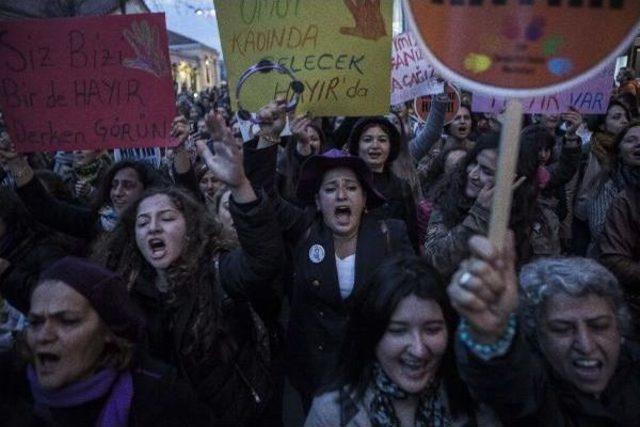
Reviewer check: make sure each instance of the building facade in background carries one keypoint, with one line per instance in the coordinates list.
(195, 66)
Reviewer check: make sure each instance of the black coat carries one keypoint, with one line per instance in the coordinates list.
(399, 203)
(75, 220)
(159, 400)
(524, 390)
(240, 285)
(32, 253)
(318, 312)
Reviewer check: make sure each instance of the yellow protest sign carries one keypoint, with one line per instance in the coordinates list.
(339, 49)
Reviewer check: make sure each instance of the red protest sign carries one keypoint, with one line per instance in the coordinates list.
(86, 82)
(422, 105)
(520, 48)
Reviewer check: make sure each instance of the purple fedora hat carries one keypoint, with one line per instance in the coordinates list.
(315, 167)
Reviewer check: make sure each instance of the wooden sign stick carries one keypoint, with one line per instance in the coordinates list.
(507, 162)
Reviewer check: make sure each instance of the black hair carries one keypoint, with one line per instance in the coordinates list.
(596, 123)
(389, 128)
(472, 131)
(373, 306)
(146, 175)
(454, 204)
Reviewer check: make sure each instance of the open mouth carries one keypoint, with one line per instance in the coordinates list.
(375, 154)
(158, 248)
(343, 215)
(414, 367)
(47, 361)
(588, 368)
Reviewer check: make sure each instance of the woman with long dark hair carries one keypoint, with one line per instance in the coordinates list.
(464, 208)
(624, 172)
(397, 366)
(205, 304)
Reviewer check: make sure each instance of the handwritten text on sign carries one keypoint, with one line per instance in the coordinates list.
(86, 83)
(591, 97)
(411, 75)
(519, 48)
(339, 49)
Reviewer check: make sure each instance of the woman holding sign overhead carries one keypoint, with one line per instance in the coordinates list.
(548, 349)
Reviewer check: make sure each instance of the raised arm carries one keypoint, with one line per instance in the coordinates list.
(248, 271)
(493, 358)
(432, 131)
(77, 221)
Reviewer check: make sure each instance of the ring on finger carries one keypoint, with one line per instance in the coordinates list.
(465, 279)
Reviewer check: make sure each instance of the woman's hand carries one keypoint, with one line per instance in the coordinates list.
(485, 196)
(485, 289)
(573, 118)
(272, 119)
(215, 124)
(8, 153)
(299, 129)
(83, 188)
(17, 164)
(226, 164)
(180, 129)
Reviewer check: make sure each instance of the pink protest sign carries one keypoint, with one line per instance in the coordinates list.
(411, 74)
(590, 97)
(86, 83)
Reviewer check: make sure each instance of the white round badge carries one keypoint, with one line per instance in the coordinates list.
(316, 253)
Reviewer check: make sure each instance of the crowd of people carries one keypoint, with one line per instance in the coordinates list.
(343, 254)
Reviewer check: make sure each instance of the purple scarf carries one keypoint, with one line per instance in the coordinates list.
(115, 413)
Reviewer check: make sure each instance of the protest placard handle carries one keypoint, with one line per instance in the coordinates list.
(507, 162)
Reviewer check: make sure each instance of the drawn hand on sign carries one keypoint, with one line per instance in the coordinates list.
(368, 19)
(145, 41)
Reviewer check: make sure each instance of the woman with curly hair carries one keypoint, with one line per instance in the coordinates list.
(624, 173)
(464, 208)
(196, 295)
